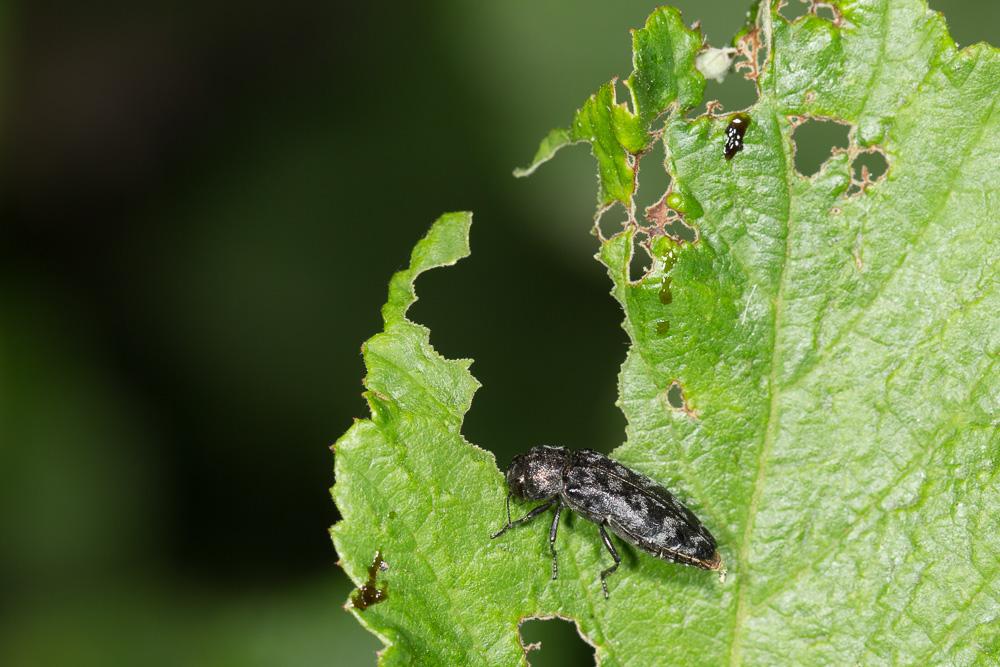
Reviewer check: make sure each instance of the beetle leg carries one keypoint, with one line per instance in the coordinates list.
(614, 554)
(524, 519)
(552, 540)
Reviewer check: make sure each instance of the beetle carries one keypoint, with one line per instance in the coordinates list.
(616, 498)
(734, 135)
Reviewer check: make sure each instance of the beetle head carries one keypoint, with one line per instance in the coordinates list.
(538, 473)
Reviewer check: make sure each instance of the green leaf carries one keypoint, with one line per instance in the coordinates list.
(663, 54)
(664, 76)
(836, 346)
(552, 142)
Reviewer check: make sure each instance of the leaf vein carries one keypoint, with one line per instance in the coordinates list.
(742, 605)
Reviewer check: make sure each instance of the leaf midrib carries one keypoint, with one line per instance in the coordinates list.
(739, 620)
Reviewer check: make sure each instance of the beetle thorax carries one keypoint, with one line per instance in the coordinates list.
(538, 474)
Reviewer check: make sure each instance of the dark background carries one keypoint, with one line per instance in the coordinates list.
(200, 208)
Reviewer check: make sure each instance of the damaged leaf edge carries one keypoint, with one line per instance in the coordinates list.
(394, 314)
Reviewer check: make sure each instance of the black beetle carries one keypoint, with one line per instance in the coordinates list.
(734, 135)
(634, 507)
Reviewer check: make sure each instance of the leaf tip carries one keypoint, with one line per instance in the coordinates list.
(547, 149)
(445, 243)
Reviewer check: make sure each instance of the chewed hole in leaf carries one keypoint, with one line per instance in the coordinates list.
(502, 306)
(623, 96)
(639, 264)
(607, 224)
(815, 141)
(734, 92)
(679, 230)
(870, 166)
(827, 11)
(653, 179)
(554, 641)
(665, 218)
(793, 9)
(677, 400)
(867, 169)
(675, 396)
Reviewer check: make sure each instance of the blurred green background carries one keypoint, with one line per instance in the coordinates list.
(201, 208)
